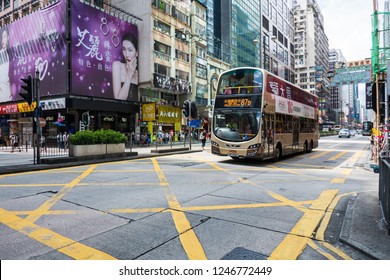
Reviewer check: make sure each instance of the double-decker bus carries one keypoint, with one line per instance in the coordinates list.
(259, 115)
(367, 128)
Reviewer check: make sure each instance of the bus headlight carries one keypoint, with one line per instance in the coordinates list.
(255, 146)
(214, 143)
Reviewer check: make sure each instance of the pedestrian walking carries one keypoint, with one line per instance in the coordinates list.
(65, 139)
(14, 138)
(203, 139)
(43, 143)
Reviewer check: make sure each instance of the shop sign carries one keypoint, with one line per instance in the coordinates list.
(53, 104)
(148, 112)
(9, 109)
(24, 107)
(169, 114)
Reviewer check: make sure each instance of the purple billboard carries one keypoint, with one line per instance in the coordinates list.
(33, 43)
(104, 54)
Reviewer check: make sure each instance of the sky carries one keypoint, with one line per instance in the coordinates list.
(347, 25)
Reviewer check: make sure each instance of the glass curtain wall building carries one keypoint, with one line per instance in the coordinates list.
(233, 27)
(253, 33)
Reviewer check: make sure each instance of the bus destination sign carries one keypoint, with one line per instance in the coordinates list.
(237, 102)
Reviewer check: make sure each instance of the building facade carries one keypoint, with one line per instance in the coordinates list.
(71, 47)
(311, 53)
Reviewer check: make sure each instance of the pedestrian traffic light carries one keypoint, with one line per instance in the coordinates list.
(28, 86)
(186, 108)
(194, 110)
(85, 118)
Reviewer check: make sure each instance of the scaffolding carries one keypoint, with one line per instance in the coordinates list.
(380, 57)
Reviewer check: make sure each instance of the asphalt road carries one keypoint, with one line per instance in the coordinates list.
(187, 207)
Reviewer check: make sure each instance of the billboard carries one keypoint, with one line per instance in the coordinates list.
(104, 54)
(34, 42)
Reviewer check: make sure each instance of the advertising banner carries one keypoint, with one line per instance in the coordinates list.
(104, 54)
(34, 42)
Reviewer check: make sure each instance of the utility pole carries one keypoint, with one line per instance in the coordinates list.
(37, 116)
(376, 70)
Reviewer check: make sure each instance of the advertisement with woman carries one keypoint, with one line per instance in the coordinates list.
(104, 54)
(34, 42)
(5, 85)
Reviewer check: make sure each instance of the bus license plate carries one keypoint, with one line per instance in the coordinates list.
(232, 153)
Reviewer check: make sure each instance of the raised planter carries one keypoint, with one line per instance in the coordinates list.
(115, 148)
(96, 149)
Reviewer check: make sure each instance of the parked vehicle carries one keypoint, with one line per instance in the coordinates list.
(344, 133)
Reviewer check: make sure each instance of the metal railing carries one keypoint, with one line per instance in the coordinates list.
(384, 186)
(49, 148)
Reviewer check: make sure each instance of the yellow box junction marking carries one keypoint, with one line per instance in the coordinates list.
(52, 239)
(295, 242)
(188, 238)
(37, 213)
(48, 237)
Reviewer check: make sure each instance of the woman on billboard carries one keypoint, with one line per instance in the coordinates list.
(125, 73)
(5, 87)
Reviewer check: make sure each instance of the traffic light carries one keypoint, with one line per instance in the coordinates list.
(85, 118)
(28, 86)
(186, 108)
(194, 110)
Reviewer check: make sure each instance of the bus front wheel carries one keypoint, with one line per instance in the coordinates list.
(277, 152)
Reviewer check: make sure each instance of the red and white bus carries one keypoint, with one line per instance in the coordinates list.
(259, 115)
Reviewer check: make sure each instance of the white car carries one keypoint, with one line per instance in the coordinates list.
(344, 133)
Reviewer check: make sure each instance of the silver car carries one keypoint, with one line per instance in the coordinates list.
(344, 133)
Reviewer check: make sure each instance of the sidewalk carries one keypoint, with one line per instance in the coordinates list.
(363, 226)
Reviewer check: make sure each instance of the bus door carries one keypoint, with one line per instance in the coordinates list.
(268, 135)
(295, 144)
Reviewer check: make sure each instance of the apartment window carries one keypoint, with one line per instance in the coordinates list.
(200, 12)
(179, 15)
(182, 55)
(266, 23)
(162, 48)
(162, 69)
(162, 27)
(182, 75)
(200, 52)
(162, 6)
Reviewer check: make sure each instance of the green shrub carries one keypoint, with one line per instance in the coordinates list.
(101, 136)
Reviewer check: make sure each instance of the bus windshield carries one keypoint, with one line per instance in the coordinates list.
(241, 81)
(236, 124)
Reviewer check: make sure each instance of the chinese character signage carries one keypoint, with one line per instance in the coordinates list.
(34, 42)
(148, 112)
(280, 88)
(104, 54)
(169, 114)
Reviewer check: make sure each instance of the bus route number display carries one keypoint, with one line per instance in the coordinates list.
(237, 102)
